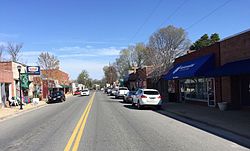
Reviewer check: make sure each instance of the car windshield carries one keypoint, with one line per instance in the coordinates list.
(132, 93)
(56, 93)
(151, 92)
(85, 90)
(123, 88)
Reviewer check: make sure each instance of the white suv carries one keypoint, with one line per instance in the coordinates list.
(121, 92)
(85, 92)
(147, 97)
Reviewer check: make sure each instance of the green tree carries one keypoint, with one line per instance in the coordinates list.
(83, 77)
(214, 38)
(205, 41)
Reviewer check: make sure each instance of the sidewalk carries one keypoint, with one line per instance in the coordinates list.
(14, 110)
(233, 121)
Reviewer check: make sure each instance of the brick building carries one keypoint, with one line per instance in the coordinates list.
(9, 81)
(138, 78)
(217, 73)
(50, 80)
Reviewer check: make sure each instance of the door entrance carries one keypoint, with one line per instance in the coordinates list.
(245, 90)
(211, 92)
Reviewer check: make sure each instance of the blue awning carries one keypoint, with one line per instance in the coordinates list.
(194, 68)
(232, 68)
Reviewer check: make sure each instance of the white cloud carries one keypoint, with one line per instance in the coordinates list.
(75, 66)
(4, 35)
(77, 51)
(74, 59)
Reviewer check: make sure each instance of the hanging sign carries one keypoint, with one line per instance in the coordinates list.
(33, 70)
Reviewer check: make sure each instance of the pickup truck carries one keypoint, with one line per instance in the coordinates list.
(121, 92)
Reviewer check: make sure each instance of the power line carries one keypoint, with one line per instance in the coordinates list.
(173, 13)
(207, 15)
(146, 20)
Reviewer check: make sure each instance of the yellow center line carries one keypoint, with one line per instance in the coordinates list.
(72, 138)
(80, 133)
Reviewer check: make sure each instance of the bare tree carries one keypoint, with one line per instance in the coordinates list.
(110, 74)
(1, 52)
(134, 55)
(14, 50)
(163, 47)
(48, 61)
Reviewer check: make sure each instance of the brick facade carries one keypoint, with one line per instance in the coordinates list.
(6, 72)
(56, 74)
(233, 49)
(212, 49)
(229, 88)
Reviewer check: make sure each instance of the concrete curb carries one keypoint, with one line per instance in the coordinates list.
(22, 112)
(214, 129)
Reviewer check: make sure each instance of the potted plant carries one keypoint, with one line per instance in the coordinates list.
(223, 105)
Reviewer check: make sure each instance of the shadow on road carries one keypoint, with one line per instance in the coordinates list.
(218, 131)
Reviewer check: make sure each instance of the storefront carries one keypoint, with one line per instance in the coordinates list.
(225, 77)
(192, 80)
(237, 74)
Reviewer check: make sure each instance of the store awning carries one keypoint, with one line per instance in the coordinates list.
(65, 86)
(195, 68)
(232, 68)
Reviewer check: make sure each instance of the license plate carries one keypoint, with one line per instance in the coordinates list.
(152, 97)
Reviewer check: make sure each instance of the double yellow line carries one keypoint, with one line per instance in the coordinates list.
(78, 131)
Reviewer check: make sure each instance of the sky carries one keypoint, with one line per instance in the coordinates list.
(89, 34)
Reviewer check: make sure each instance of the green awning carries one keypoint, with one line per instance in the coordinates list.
(66, 86)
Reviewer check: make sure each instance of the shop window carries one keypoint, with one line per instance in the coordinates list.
(194, 89)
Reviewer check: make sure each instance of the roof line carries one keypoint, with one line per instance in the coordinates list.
(234, 35)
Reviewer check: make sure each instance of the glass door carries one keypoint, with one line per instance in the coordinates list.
(211, 92)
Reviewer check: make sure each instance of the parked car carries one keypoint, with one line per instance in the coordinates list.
(85, 92)
(129, 97)
(147, 97)
(56, 96)
(121, 91)
(113, 92)
(109, 90)
(77, 92)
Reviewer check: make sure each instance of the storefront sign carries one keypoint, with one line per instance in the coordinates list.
(183, 68)
(33, 70)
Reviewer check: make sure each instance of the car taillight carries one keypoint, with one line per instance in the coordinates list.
(159, 97)
(143, 96)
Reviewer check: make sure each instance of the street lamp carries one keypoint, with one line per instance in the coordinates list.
(20, 83)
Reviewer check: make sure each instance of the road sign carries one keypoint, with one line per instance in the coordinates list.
(33, 70)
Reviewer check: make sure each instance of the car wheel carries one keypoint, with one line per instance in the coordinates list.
(133, 104)
(139, 105)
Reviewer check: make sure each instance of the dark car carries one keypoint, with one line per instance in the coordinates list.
(129, 96)
(57, 96)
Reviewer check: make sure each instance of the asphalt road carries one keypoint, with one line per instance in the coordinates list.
(104, 125)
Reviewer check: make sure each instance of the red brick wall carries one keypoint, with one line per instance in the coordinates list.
(6, 76)
(59, 75)
(235, 48)
(215, 49)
